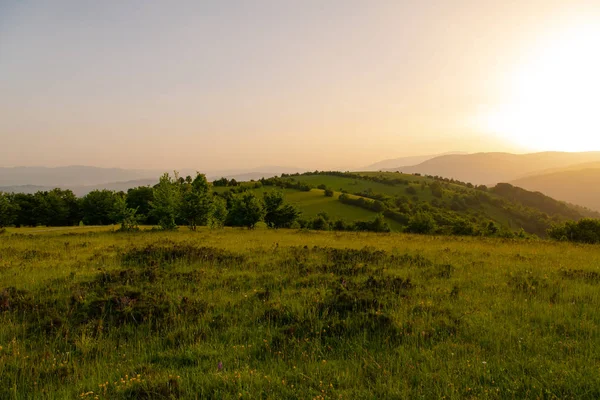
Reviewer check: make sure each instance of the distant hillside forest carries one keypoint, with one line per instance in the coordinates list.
(367, 201)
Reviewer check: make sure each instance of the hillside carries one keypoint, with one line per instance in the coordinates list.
(492, 168)
(578, 186)
(456, 208)
(404, 161)
(313, 202)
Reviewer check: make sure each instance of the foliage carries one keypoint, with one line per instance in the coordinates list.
(246, 210)
(166, 203)
(99, 207)
(219, 214)
(197, 205)
(421, 223)
(140, 199)
(125, 215)
(278, 214)
(586, 230)
(8, 210)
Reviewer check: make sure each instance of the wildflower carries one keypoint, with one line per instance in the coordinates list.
(220, 366)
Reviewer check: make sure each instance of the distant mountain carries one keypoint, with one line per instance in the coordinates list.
(576, 184)
(84, 178)
(493, 168)
(404, 161)
(80, 190)
(75, 175)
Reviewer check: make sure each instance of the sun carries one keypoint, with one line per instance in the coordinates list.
(554, 97)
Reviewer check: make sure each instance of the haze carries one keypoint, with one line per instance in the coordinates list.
(328, 85)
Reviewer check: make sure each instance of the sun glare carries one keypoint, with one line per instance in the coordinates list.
(554, 98)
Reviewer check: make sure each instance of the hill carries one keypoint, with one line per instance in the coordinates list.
(455, 207)
(81, 190)
(404, 161)
(289, 314)
(492, 168)
(578, 186)
(81, 178)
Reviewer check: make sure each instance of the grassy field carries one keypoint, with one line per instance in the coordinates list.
(232, 313)
(314, 202)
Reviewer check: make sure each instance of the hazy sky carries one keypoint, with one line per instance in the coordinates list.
(317, 84)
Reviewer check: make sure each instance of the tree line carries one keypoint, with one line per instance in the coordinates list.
(172, 202)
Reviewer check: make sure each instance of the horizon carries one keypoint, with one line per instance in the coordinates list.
(342, 85)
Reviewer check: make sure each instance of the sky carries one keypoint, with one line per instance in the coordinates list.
(300, 83)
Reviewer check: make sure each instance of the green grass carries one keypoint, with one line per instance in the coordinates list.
(314, 202)
(295, 314)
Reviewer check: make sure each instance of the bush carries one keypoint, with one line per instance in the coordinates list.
(421, 223)
(586, 230)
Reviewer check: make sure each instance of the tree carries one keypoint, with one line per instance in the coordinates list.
(320, 222)
(8, 210)
(436, 190)
(586, 230)
(246, 210)
(277, 213)
(166, 201)
(221, 182)
(125, 215)
(197, 204)
(421, 223)
(328, 193)
(57, 208)
(26, 204)
(99, 207)
(411, 190)
(140, 198)
(219, 215)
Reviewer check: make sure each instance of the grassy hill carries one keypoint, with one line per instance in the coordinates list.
(232, 313)
(314, 202)
(576, 184)
(453, 205)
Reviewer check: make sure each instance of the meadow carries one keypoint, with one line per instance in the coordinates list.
(282, 314)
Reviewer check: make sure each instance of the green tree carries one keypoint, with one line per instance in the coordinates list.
(421, 222)
(328, 193)
(165, 204)
(197, 204)
(125, 215)
(436, 190)
(140, 198)
(278, 214)
(8, 210)
(246, 210)
(26, 204)
(99, 207)
(219, 215)
(221, 182)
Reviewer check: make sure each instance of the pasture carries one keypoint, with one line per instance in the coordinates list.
(236, 313)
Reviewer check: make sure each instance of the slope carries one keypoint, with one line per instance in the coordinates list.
(457, 208)
(492, 168)
(578, 186)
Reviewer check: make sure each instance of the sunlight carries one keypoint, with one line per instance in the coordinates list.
(555, 95)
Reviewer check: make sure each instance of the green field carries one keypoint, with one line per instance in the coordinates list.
(314, 202)
(233, 313)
